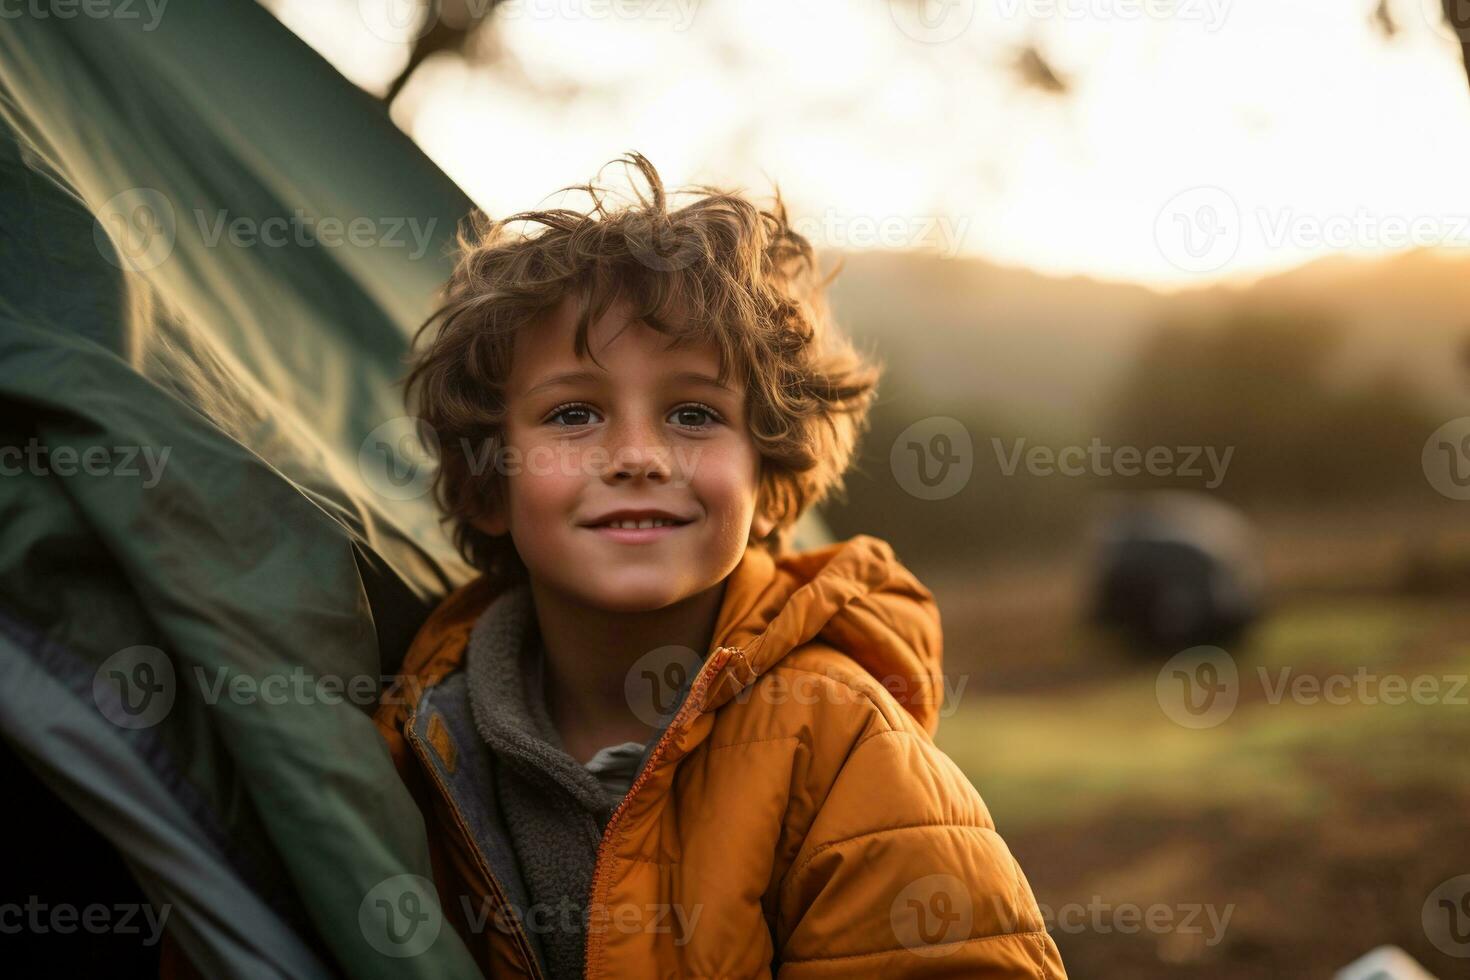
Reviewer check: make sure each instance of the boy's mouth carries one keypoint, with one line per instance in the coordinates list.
(633, 526)
(641, 518)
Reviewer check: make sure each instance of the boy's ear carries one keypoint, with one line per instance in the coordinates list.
(761, 525)
(492, 523)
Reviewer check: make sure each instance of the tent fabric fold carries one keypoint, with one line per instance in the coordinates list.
(213, 250)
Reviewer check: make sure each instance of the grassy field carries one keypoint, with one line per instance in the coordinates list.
(1286, 840)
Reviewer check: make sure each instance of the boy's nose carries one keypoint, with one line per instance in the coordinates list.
(636, 453)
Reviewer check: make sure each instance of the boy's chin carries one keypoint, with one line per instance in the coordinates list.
(632, 591)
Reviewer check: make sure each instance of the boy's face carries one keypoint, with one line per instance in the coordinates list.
(641, 432)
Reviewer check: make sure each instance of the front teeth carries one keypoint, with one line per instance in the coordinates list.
(645, 522)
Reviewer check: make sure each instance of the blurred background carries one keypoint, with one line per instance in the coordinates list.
(1175, 301)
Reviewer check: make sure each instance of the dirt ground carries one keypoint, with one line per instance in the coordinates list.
(1289, 839)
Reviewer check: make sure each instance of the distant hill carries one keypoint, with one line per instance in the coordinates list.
(1052, 349)
(1015, 354)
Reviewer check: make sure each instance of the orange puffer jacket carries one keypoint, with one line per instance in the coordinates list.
(794, 820)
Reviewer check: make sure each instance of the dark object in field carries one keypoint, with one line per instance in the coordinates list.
(1175, 570)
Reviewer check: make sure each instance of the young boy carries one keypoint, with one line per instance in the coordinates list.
(648, 741)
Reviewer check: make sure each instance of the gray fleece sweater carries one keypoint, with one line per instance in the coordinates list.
(553, 810)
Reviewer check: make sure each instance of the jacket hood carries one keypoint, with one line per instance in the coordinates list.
(853, 596)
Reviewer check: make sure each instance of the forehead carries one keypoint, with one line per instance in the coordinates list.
(626, 349)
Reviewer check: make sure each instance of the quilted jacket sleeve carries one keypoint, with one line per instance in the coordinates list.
(902, 874)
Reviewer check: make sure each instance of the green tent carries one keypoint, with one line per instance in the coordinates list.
(213, 249)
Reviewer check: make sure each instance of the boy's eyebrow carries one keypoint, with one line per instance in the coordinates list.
(701, 379)
(570, 377)
(578, 377)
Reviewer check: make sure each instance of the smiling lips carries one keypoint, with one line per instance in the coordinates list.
(636, 526)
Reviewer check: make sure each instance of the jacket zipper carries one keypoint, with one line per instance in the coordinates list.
(701, 683)
(497, 892)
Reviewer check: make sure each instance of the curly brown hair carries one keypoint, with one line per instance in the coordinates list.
(753, 285)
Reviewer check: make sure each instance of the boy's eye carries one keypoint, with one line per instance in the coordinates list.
(691, 416)
(578, 414)
(694, 416)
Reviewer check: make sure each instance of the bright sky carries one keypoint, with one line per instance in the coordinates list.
(1202, 139)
